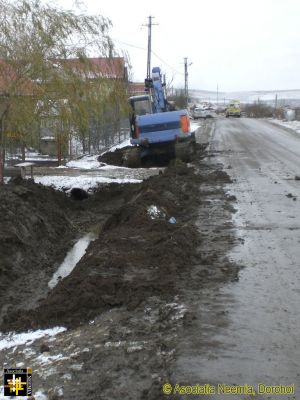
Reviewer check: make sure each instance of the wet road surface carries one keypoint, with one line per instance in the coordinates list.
(248, 332)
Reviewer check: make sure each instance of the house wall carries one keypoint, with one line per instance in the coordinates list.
(48, 147)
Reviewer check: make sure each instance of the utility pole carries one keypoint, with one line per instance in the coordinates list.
(186, 90)
(149, 25)
(186, 75)
(217, 94)
(275, 106)
(165, 84)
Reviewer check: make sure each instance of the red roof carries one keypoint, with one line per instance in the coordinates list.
(113, 68)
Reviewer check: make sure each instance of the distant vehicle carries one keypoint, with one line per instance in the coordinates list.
(202, 113)
(210, 113)
(199, 113)
(233, 109)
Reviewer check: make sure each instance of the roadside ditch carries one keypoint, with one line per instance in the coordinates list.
(130, 296)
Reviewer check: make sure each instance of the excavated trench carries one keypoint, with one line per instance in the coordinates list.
(131, 293)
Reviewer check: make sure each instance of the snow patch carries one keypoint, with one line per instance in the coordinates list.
(67, 377)
(76, 367)
(115, 344)
(125, 143)
(154, 212)
(108, 167)
(85, 350)
(86, 162)
(44, 372)
(39, 395)
(294, 125)
(85, 182)
(20, 365)
(48, 359)
(132, 346)
(28, 352)
(90, 163)
(179, 310)
(194, 126)
(16, 339)
(136, 346)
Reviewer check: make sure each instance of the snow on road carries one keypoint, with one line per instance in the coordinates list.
(294, 125)
(194, 126)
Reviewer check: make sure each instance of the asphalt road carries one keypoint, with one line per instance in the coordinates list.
(248, 332)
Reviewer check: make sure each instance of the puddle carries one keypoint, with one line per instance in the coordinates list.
(72, 258)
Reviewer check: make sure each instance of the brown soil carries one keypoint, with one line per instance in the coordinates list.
(122, 267)
(35, 229)
(123, 301)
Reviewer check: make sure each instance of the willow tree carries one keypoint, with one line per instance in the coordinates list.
(34, 39)
(99, 98)
(20, 122)
(117, 99)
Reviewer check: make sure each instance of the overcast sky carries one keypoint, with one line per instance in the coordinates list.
(235, 44)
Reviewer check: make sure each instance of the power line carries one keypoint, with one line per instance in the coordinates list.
(130, 45)
(153, 52)
(168, 65)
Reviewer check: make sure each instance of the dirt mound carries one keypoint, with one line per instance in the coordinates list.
(147, 241)
(137, 255)
(152, 160)
(33, 221)
(149, 274)
(113, 157)
(113, 274)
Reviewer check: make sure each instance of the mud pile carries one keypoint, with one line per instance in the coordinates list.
(138, 254)
(116, 157)
(136, 293)
(113, 157)
(35, 229)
